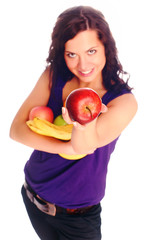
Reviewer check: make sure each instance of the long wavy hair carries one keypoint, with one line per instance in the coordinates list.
(68, 25)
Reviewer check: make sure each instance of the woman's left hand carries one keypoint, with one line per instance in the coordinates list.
(76, 124)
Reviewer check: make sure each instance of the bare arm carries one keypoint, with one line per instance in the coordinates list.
(21, 133)
(107, 127)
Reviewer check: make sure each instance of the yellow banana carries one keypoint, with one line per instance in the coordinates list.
(33, 127)
(46, 128)
(72, 157)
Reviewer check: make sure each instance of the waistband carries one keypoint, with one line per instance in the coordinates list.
(50, 208)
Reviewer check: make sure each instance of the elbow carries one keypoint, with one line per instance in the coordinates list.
(76, 149)
(81, 149)
(12, 132)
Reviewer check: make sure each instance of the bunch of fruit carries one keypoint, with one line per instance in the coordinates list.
(83, 105)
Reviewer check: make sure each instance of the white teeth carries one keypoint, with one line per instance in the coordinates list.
(86, 72)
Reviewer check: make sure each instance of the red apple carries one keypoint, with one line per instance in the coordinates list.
(42, 112)
(83, 105)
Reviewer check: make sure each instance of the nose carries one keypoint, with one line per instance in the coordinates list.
(83, 63)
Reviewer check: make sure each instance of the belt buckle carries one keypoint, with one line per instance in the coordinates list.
(44, 206)
(41, 204)
(51, 209)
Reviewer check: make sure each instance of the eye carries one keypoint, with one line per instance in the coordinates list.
(71, 55)
(92, 51)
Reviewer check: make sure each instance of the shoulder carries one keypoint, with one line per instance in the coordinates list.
(41, 91)
(44, 81)
(125, 101)
(46, 75)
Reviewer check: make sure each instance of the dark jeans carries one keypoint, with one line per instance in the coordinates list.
(64, 226)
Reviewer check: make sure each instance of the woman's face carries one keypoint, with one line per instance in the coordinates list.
(85, 56)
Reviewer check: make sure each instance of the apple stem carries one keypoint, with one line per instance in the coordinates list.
(89, 111)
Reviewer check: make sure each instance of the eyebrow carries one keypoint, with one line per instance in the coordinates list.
(86, 50)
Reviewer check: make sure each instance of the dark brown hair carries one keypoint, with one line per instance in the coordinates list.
(68, 25)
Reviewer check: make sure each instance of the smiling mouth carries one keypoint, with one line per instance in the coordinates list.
(86, 73)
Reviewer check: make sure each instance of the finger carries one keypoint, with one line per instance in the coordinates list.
(68, 120)
(104, 108)
(65, 116)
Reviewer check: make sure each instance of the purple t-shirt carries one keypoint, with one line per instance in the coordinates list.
(70, 183)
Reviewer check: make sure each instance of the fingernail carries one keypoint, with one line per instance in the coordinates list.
(75, 124)
(63, 110)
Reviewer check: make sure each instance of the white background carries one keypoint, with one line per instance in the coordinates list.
(131, 207)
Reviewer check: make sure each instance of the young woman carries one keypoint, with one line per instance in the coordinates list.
(62, 197)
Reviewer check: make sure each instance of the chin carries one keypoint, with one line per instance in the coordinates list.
(90, 79)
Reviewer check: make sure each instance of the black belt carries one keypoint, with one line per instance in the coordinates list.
(51, 208)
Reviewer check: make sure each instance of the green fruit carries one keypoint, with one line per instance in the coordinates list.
(59, 121)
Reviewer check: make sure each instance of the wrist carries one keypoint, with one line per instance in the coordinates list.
(84, 137)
